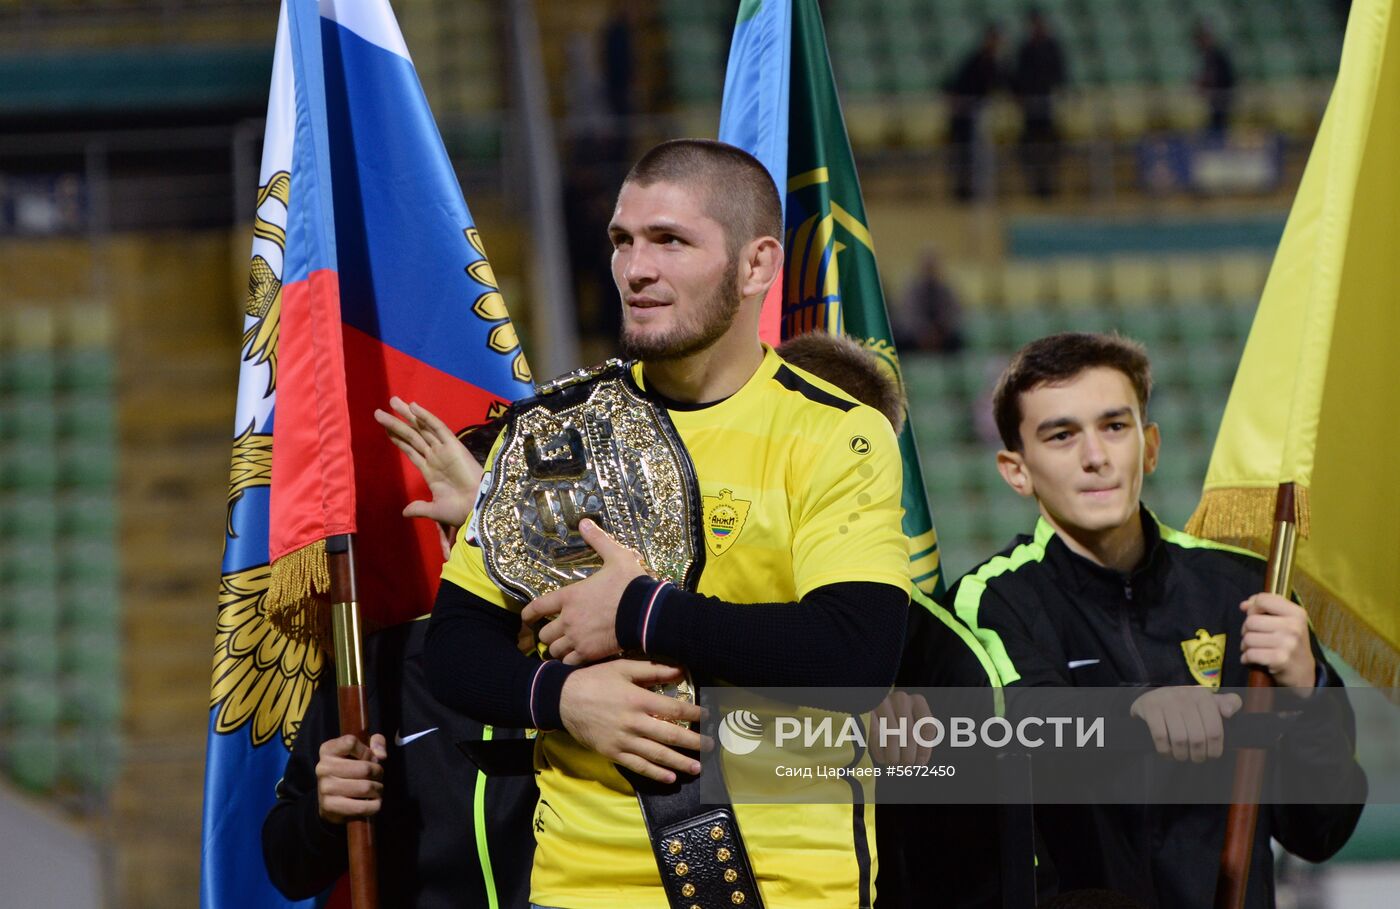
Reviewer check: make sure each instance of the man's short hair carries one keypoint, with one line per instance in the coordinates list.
(845, 363)
(737, 190)
(1059, 358)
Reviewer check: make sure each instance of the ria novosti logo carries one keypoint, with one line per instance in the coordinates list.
(741, 732)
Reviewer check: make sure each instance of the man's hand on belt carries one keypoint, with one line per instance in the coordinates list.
(611, 709)
(584, 626)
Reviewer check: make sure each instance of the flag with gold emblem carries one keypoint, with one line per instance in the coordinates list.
(1315, 399)
(780, 104)
(368, 279)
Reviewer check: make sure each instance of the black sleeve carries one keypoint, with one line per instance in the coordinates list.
(474, 666)
(1014, 632)
(848, 634)
(935, 655)
(305, 854)
(1322, 747)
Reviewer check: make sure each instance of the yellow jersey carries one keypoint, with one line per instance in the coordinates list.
(800, 487)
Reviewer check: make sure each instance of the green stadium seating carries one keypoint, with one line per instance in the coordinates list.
(29, 561)
(30, 465)
(95, 563)
(88, 465)
(87, 515)
(93, 760)
(87, 415)
(89, 606)
(32, 758)
(947, 469)
(927, 377)
(1152, 325)
(33, 516)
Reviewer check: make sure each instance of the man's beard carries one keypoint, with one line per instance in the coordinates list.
(706, 326)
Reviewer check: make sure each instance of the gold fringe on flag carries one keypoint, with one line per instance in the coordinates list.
(1245, 516)
(1360, 645)
(298, 602)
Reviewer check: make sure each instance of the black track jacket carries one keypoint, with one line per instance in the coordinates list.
(427, 830)
(1050, 617)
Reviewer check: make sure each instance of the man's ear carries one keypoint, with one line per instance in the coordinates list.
(1012, 467)
(761, 263)
(1151, 447)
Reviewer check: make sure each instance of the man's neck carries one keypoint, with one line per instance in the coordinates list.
(713, 374)
(1120, 549)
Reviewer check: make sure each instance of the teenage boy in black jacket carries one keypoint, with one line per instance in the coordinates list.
(1102, 594)
(447, 834)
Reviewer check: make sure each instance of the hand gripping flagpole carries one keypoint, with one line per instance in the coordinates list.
(354, 711)
(1232, 881)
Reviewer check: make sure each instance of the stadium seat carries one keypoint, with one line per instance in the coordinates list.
(1091, 319)
(1242, 276)
(946, 471)
(33, 515)
(29, 561)
(1212, 367)
(85, 369)
(1078, 281)
(87, 515)
(30, 466)
(984, 329)
(1080, 115)
(1135, 280)
(32, 757)
(93, 761)
(32, 371)
(1029, 324)
(1198, 323)
(1188, 280)
(1152, 325)
(926, 376)
(95, 563)
(1024, 284)
(938, 419)
(972, 282)
(88, 605)
(33, 418)
(1129, 110)
(87, 415)
(1185, 108)
(87, 465)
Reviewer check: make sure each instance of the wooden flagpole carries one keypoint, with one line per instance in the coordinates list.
(354, 711)
(1232, 881)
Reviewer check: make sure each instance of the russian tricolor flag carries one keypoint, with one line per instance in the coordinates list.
(386, 291)
(368, 279)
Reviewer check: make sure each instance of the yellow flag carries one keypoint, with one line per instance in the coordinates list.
(1316, 401)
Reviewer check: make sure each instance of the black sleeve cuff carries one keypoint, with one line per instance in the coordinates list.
(320, 836)
(545, 691)
(643, 593)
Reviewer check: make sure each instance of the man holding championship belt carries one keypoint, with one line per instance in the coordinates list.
(804, 580)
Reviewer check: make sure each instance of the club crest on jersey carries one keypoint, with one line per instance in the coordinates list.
(724, 520)
(1205, 655)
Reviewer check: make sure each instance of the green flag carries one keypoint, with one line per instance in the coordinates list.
(832, 282)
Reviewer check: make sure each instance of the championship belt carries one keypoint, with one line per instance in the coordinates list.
(588, 445)
(591, 445)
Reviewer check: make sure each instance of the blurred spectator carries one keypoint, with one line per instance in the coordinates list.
(930, 317)
(619, 60)
(1216, 79)
(968, 88)
(1040, 72)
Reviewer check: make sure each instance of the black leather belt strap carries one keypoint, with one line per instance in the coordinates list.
(697, 846)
